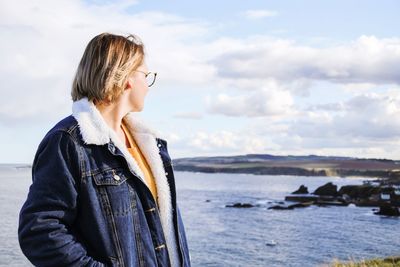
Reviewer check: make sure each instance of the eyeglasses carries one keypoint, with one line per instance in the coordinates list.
(150, 77)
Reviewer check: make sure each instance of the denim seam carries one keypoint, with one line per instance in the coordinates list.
(180, 242)
(78, 149)
(81, 162)
(69, 132)
(113, 226)
(71, 129)
(135, 218)
(177, 223)
(136, 227)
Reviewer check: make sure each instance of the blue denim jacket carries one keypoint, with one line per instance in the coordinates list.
(89, 205)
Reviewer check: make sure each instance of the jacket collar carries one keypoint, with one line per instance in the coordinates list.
(95, 130)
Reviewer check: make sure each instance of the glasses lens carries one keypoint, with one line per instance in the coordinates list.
(151, 78)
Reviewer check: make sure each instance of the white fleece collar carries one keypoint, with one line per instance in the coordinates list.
(95, 130)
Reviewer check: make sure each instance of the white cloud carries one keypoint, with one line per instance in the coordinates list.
(269, 101)
(367, 125)
(358, 87)
(114, 5)
(259, 13)
(189, 115)
(227, 142)
(365, 60)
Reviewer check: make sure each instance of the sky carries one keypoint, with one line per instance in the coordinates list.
(234, 77)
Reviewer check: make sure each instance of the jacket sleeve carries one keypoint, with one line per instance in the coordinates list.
(46, 218)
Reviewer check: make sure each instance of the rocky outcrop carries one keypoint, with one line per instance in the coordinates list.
(328, 189)
(302, 190)
(382, 195)
(279, 207)
(240, 205)
(388, 211)
(290, 207)
(334, 202)
(301, 198)
(359, 191)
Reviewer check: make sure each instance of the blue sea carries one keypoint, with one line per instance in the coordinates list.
(221, 236)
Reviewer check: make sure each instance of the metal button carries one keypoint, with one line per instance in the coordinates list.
(166, 173)
(116, 177)
(151, 209)
(160, 246)
(159, 145)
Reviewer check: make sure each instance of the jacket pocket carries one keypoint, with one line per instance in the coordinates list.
(114, 192)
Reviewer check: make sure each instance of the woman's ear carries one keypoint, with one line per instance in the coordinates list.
(129, 84)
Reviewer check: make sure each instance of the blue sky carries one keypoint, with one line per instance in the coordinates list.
(235, 77)
(301, 20)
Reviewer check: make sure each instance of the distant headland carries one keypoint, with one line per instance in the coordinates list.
(311, 165)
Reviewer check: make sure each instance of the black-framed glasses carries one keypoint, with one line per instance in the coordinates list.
(150, 77)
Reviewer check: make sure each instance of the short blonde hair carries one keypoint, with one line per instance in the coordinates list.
(105, 66)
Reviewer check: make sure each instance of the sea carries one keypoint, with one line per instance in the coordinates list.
(224, 236)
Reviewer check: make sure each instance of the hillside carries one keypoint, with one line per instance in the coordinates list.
(311, 165)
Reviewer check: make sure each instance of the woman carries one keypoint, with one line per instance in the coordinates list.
(103, 191)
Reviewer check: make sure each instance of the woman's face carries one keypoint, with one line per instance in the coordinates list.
(138, 88)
